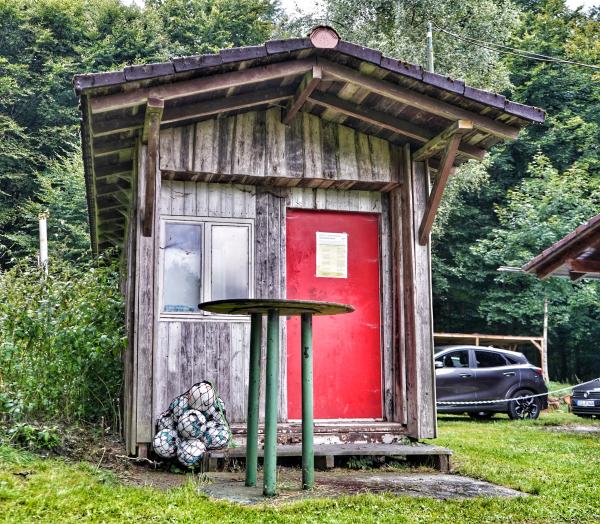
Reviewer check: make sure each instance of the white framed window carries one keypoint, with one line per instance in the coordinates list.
(204, 259)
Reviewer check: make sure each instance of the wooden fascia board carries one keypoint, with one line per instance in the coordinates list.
(307, 86)
(200, 85)
(440, 141)
(433, 202)
(417, 100)
(385, 121)
(545, 268)
(154, 111)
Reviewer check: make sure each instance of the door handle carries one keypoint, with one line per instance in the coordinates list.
(509, 373)
(465, 375)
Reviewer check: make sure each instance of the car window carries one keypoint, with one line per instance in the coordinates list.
(456, 359)
(489, 359)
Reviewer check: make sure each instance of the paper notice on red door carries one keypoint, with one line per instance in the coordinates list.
(332, 255)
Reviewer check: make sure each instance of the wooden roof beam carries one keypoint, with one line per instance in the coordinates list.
(172, 115)
(307, 86)
(571, 252)
(439, 142)
(385, 121)
(584, 265)
(154, 112)
(206, 84)
(433, 202)
(418, 100)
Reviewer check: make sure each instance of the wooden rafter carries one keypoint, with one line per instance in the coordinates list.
(385, 121)
(584, 265)
(433, 202)
(196, 86)
(417, 100)
(307, 86)
(154, 111)
(439, 142)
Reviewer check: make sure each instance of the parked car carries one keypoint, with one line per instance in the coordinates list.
(586, 399)
(475, 373)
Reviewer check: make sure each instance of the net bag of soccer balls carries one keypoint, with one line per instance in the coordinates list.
(194, 422)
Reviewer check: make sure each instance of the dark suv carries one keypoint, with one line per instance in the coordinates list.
(475, 373)
(586, 399)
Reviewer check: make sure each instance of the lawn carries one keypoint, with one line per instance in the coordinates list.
(559, 470)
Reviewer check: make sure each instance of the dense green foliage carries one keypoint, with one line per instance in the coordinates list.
(43, 43)
(560, 470)
(61, 338)
(529, 193)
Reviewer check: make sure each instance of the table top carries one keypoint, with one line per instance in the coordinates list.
(287, 308)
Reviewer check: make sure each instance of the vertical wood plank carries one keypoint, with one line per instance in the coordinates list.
(363, 157)
(330, 151)
(386, 310)
(161, 367)
(189, 199)
(206, 146)
(276, 160)
(173, 382)
(227, 149)
(237, 407)
(186, 357)
(165, 198)
(199, 352)
(201, 199)
(177, 197)
(347, 153)
(294, 148)
(311, 131)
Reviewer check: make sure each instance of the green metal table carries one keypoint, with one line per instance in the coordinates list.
(274, 309)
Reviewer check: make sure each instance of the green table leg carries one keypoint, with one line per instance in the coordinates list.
(253, 384)
(308, 458)
(270, 461)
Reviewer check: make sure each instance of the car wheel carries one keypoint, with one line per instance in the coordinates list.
(524, 408)
(481, 415)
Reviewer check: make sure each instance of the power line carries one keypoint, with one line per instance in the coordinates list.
(500, 48)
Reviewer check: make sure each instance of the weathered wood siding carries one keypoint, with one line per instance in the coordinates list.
(256, 145)
(191, 349)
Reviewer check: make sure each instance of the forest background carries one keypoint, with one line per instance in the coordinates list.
(525, 196)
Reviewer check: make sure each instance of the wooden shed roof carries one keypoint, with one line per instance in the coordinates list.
(576, 256)
(321, 74)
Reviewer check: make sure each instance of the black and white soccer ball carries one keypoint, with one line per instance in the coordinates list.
(190, 452)
(191, 424)
(165, 421)
(216, 435)
(202, 396)
(165, 443)
(179, 406)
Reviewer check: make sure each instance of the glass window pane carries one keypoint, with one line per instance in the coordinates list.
(181, 282)
(489, 359)
(230, 262)
(456, 359)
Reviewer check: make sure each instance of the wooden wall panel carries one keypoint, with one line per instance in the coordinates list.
(258, 144)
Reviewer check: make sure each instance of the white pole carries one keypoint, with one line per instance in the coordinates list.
(43, 242)
(545, 343)
(429, 48)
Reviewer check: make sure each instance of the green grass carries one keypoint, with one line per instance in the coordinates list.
(560, 470)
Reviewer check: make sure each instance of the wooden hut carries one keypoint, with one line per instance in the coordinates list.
(300, 168)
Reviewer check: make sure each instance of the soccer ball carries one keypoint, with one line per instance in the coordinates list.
(216, 412)
(191, 424)
(202, 396)
(165, 443)
(216, 436)
(179, 406)
(190, 452)
(165, 421)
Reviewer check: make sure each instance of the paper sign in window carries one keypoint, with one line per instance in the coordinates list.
(332, 255)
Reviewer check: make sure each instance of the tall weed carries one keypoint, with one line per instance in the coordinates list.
(61, 339)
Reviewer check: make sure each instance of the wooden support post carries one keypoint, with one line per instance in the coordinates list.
(544, 349)
(151, 136)
(433, 202)
(307, 86)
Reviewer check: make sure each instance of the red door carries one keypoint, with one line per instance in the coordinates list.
(346, 348)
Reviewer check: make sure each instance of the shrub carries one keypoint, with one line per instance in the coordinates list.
(61, 339)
